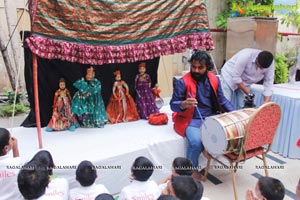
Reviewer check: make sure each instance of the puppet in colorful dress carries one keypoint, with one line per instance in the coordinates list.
(87, 103)
(62, 118)
(144, 98)
(121, 106)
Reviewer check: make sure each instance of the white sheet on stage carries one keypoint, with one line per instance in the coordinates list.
(114, 147)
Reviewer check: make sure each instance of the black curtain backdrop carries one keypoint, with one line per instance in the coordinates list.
(50, 71)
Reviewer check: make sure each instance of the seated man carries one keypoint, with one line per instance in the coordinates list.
(9, 166)
(197, 95)
(180, 166)
(267, 188)
(32, 182)
(167, 197)
(86, 175)
(57, 186)
(141, 187)
(184, 188)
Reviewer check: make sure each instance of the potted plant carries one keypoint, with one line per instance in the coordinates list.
(244, 8)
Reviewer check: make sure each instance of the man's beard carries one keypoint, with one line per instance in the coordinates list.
(199, 77)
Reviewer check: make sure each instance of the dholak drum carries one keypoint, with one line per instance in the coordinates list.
(224, 133)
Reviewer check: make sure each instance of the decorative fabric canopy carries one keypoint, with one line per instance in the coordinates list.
(116, 31)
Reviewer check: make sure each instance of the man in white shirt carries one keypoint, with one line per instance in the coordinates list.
(141, 187)
(86, 175)
(9, 166)
(180, 166)
(246, 67)
(185, 188)
(57, 186)
(33, 180)
(267, 188)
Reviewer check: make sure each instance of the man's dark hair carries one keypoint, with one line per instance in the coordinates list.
(4, 140)
(104, 196)
(167, 197)
(187, 188)
(86, 173)
(33, 180)
(203, 55)
(142, 169)
(183, 166)
(44, 158)
(265, 59)
(271, 188)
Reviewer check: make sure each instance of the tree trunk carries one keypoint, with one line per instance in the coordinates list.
(7, 62)
(11, 18)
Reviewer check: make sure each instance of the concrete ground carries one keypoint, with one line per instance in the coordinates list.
(9, 122)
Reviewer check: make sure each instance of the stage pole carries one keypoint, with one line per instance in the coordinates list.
(36, 100)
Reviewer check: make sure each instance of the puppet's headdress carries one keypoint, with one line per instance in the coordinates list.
(117, 73)
(142, 64)
(90, 70)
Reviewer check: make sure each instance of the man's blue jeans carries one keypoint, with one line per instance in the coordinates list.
(236, 97)
(195, 146)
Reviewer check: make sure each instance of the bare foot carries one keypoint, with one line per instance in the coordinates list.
(198, 176)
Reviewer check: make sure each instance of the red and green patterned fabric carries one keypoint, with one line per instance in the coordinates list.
(116, 31)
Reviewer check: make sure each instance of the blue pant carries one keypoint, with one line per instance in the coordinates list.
(236, 97)
(195, 146)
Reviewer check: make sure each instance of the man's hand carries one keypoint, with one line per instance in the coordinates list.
(250, 195)
(15, 147)
(267, 99)
(189, 103)
(243, 88)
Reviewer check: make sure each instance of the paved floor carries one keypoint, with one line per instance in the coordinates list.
(219, 185)
(12, 121)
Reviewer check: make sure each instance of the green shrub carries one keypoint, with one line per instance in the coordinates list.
(281, 68)
(7, 109)
(292, 18)
(11, 96)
